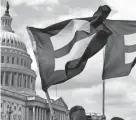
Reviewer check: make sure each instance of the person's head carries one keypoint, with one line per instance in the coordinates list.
(77, 113)
(117, 118)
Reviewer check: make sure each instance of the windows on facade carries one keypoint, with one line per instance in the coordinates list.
(13, 60)
(28, 86)
(8, 41)
(11, 41)
(7, 59)
(2, 108)
(12, 80)
(1, 105)
(3, 42)
(20, 81)
(2, 74)
(2, 59)
(6, 78)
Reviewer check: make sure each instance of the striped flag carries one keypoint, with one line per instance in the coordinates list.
(120, 53)
(63, 49)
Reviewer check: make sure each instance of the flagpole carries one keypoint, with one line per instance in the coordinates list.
(103, 100)
(56, 90)
(50, 106)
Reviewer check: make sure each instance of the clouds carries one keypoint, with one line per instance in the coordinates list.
(120, 97)
(33, 2)
(82, 4)
(125, 9)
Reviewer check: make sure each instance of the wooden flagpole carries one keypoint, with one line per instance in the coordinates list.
(103, 100)
(50, 106)
(103, 92)
(56, 90)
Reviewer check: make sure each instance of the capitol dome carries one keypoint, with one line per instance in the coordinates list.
(7, 36)
(16, 72)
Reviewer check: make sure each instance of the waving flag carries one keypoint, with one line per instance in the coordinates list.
(63, 49)
(120, 53)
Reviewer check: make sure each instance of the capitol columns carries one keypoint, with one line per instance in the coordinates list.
(34, 112)
(29, 77)
(23, 112)
(30, 82)
(39, 113)
(26, 80)
(33, 83)
(42, 113)
(27, 111)
(16, 79)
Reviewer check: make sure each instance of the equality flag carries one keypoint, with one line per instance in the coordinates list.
(120, 52)
(63, 49)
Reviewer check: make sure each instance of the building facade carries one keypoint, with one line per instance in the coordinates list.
(19, 100)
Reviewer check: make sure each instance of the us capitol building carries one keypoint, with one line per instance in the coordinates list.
(19, 100)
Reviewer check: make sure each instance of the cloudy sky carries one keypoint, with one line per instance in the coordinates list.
(86, 88)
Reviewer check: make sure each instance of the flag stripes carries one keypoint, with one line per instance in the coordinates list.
(130, 49)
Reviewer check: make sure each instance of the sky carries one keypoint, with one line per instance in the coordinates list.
(86, 88)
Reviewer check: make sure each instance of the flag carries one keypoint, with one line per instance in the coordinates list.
(120, 52)
(63, 49)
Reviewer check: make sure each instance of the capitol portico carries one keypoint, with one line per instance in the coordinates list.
(19, 100)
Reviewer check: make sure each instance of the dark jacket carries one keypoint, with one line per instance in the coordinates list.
(117, 118)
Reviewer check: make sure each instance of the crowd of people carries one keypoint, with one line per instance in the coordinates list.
(78, 113)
